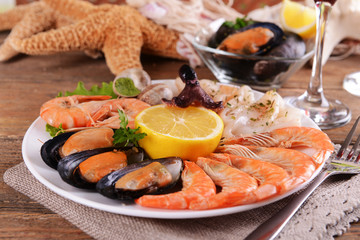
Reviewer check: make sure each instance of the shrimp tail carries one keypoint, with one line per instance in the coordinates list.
(197, 185)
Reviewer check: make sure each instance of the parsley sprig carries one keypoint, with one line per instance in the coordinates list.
(239, 23)
(125, 135)
(54, 131)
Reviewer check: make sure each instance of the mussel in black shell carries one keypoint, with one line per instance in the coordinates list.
(254, 39)
(68, 143)
(292, 47)
(227, 28)
(257, 48)
(84, 169)
(50, 150)
(136, 180)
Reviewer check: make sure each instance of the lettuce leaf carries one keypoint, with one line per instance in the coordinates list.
(105, 89)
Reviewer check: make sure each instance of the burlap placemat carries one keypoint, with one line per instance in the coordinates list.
(329, 211)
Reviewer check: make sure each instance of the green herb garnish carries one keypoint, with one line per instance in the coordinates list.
(54, 131)
(125, 135)
(239, 23)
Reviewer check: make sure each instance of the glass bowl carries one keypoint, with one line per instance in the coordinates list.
(259, 72)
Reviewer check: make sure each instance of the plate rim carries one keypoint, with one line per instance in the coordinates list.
(136, 210)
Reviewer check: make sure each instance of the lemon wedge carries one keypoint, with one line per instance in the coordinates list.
(297, 18)
(179, 132)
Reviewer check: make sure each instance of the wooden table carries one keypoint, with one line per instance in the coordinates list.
(27, 82)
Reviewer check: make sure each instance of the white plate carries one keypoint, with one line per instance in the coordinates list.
(36, 136)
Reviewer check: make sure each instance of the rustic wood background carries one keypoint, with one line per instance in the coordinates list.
(28, 81)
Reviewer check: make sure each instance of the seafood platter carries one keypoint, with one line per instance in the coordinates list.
(98, 156)
(264, 60)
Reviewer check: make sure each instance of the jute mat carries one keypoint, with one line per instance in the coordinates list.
(328, 212)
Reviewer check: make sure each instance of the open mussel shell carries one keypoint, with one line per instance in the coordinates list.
(106, 186)
(67, 143)
(223, 32)
(68, 166)
(50, 149)
(293, 46)
(273, 42)
(270, 33)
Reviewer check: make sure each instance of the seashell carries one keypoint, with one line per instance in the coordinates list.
(125, 183)
(153, 93)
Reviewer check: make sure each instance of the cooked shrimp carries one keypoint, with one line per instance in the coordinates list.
(90, 111)
(237, 186)
(296, 163)
(196, 185)
(72, 111)
(272, 178)
(318, 144)
(108, 113)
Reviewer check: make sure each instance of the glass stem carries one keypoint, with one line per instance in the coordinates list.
(314, 92)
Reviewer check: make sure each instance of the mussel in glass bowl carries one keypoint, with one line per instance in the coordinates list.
(240, 58)
(255, 39)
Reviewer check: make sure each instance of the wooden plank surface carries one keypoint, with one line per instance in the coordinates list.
(27, 82)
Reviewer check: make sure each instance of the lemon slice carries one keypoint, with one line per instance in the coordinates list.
(297, 18)
(179, 132)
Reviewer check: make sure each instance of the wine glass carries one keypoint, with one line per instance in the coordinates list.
(325, 113)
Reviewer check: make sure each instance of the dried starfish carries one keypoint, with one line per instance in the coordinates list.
(25, 21)
(119, 31)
